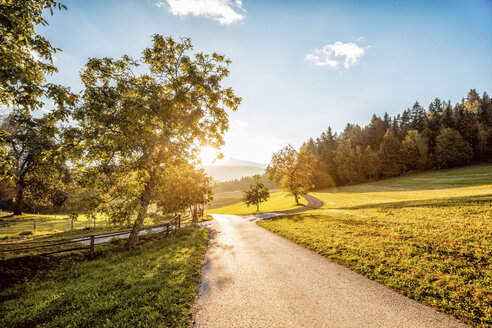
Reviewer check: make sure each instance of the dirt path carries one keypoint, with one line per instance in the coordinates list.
(255, 278)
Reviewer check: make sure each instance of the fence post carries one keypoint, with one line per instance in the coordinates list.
(179, 221)
(167, 229)
(34, 224)
(92, 247)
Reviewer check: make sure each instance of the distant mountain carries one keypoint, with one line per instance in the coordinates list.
(231, 161)
(231, 172)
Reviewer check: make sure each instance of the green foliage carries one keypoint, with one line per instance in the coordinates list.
(415, 151)
(33, 159)
(25, 56)
(346, 162)
(389, 153)
(371, 164)
(153, 285)
(134, 130)
(406, 142)
(256, 194)
(451, 149)
(187, 187)
(291, 170)
(423, 235)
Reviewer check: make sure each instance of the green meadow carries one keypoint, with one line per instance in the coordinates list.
(427, 236)
(277, 201)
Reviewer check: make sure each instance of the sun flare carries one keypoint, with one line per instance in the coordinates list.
(208, 155)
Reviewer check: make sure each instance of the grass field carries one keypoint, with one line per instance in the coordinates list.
(276, 202)
(13, 226)
(151, 286)
(427, 236)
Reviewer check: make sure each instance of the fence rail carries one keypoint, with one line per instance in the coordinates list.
(91, 241)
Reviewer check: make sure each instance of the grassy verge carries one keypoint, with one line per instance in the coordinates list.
(151, 286)
(431, 244)
(277, 201)
(205, 217)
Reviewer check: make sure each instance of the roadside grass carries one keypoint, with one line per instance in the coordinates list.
(278, 201)
(204, 218)
(429, 241)
(153, 285)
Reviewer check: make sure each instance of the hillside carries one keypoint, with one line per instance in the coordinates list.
(226, 172)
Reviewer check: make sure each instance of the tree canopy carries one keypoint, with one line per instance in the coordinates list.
(25, 56)
(291, 170)
(34, 160)
(444, 135)
(139, 118)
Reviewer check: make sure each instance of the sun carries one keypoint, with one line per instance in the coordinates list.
(208, 155)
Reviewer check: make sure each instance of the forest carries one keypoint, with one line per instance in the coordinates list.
(439, 136)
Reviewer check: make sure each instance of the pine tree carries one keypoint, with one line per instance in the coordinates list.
(389, 153)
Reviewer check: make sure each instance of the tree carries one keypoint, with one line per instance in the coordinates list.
(291, 170)
(418, 117)
(389, 153)
(33, 159)
(372, 164)
(346, 162)
(451, 149)
(257, 193)
(133, 129)
(25, 56)
(414, 151)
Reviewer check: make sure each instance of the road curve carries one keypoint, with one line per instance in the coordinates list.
(255, 278)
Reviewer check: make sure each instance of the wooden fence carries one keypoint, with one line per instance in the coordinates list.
(89, 242)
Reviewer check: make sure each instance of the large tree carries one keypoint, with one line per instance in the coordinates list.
(33, 159)
(291, 170)
(139, 118)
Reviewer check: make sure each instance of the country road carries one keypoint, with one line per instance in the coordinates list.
(254, 278)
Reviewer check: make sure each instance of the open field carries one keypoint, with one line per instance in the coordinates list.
(12, 226)
(427, 236)
(153, 285)
(222, 199)
(276, 202)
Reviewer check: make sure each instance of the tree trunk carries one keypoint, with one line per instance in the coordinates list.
(297, 198)
(142, 213)
(257, 207)
(19, 199)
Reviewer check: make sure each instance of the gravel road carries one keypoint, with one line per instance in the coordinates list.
(254, 278)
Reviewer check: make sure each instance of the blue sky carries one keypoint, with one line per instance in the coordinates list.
(298, 65)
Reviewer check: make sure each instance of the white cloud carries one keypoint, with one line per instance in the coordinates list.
(222, 11)
(334, 54)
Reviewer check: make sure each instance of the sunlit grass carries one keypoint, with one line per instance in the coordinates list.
(11, 225)
(151, 286)
(277, 201)
(431, 241)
